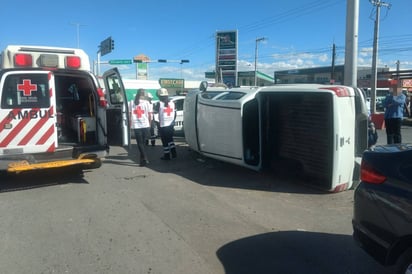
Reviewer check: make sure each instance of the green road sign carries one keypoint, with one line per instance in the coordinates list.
(120, 62)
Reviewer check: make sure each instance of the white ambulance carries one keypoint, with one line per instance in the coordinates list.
(53, 112)
(312, 134)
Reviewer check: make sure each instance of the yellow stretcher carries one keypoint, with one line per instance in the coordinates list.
(21, 166)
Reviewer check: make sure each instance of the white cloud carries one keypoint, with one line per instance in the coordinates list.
(323, 57)
(365, 51)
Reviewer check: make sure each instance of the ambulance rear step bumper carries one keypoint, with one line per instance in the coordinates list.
(84, 157)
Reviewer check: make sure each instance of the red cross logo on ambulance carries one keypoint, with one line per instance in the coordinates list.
(27, 87)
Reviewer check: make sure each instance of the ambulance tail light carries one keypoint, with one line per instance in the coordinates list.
(73, 62)
(102, 99)
(339, 91)
(23, 60)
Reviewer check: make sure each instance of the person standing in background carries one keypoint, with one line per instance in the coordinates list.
(140, 119)
(167, 116)
(394, 104)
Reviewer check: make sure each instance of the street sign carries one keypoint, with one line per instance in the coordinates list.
(120, 62)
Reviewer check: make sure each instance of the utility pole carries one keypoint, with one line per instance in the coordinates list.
(378, 4)
(78, 25)
(398, 63)
(256, 56)
(351, 43)
(332, 73)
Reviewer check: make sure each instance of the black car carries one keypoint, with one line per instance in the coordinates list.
(382, 220)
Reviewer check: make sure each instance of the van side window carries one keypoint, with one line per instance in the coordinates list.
(179, 104)
(210, 94)
(25, 91)
(232, 96)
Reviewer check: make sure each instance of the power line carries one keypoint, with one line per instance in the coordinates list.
(294, 13)
(386, 43)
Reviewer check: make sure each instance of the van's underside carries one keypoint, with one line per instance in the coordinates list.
(295, 135)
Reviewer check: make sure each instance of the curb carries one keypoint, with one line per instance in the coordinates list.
(407, 122)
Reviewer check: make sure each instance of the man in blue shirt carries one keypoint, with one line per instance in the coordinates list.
(394, 107)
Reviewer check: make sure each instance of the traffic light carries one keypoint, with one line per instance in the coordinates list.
(106, 46)
(111, 44)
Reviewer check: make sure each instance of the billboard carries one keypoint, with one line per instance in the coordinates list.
(226, 57)
(171, 83)
(141, 66)
(142, 71)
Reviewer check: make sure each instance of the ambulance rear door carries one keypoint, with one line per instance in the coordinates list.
(118, 131)
(27, 113)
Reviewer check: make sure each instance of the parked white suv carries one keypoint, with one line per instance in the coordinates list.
(179, 102)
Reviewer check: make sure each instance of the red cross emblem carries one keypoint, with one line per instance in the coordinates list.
(26, 87)
(138, 111)
(168, 110)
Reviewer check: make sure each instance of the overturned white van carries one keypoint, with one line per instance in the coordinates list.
(312, 132)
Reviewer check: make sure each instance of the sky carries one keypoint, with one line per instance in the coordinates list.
(297, 34)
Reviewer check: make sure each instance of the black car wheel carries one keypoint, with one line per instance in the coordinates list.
(404, 264)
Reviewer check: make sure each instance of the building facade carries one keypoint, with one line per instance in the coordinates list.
(247, 78)
(335, 75)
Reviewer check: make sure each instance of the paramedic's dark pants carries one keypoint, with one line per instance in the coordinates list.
(166, 135)
(142, 134)
(393, 130)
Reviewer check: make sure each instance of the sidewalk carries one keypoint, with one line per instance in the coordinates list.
(406, 132)
(407, 121)
(378, 119)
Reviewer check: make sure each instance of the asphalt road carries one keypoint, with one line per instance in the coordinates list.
(189, 215)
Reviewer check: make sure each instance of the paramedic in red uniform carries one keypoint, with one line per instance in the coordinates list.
(140, 121)
(167, 115)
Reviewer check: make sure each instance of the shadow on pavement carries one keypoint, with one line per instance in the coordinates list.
(296, 252)
(41, 178)
(207, 171)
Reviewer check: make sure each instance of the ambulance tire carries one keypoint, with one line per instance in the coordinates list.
(97, 163)
(3, 174)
